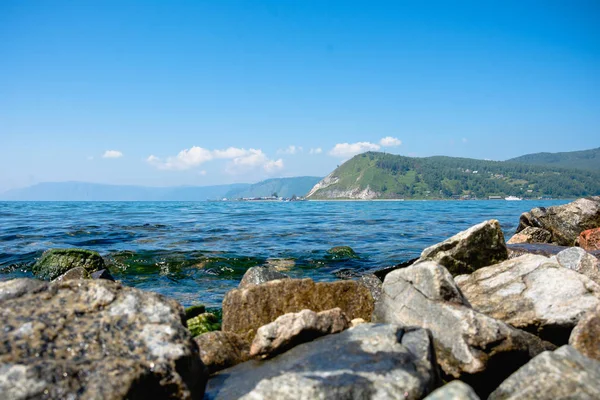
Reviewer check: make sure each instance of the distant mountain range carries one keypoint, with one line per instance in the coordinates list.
(585, 159)
(375, 175)
(81, 191)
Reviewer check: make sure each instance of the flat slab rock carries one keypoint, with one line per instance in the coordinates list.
(470, 346)
(292, 329)
(94, 339)
(533, 293)
(245, 310)
(371, 361)
(469, 250)
(561, 374)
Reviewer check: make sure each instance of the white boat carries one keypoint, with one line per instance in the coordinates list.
(512, 198)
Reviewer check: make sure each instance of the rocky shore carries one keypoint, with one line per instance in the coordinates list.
(473, 317)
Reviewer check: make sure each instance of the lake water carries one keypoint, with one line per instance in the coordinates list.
(197, 251)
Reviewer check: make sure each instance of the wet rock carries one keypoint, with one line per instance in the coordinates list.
(533, 293)
(562, 374)
(589, 240)
(367, 362)
(469, 345)
(373, 283)
(579, 260)
(258, 275)
(565, 222)
(206, 322)
(455, 390)
(585, 337)
(347, 273)
(292, 329)
(477, 247)
(194, 311)
(220, 350)
(102, 274)
(94, 339)
(531, 235)
(542, 249)
(246, 310)
(280, 264)
(56, 262)
(74, 273)
(342, 252)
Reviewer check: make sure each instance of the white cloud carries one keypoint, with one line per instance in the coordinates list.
(290, 150)
(317, 150)
(112, 154)
(389, 141)
(186, 159)
(272, 166)
(345, 150)
(231, 152)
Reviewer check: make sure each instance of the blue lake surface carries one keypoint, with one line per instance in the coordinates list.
(197, 251)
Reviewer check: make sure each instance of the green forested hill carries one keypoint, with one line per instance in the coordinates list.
(386, 176)
(585, 159)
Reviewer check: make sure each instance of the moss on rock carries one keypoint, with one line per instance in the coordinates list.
(203, 323)
(56, 262)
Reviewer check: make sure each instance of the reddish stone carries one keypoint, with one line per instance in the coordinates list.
(590, 240)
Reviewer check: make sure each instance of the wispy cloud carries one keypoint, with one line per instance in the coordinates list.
(241, 160)
(389, 141)
(112, 154)
(345, 150)
(317, 150)
(290, 150)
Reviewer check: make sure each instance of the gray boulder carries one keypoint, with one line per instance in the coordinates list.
(74, 273)
(366, 362)
(469, 345)
(102, 274)
(562, 374)
(94, 339)
(258, 275)
(373, 283)
(292, 329)
(579, 260)
(455, 390)
(565, 222)
(220, 350)
(479, 246)
(586, 336)
(533, 293)
(542, 249)
(56, 262)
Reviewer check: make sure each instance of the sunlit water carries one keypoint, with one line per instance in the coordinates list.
(197, 251)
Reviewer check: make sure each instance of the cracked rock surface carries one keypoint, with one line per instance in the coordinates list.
(370, 361)
(94, 339)
(561, 374)
(470, 346)
(533, 293)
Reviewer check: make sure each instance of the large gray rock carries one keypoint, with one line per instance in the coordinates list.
(373, 283)
(220, 350)
(531, 235)
(565, 222)
(586, 336)
(74, 273)
(292, 329)
(258, 275)
(455, 390)
(579, 260)
(366, 362)
(533, 293)
(562, 374)
(94, 339)
(479, 246)
(470, 346)
(56, 262)
(541, 249)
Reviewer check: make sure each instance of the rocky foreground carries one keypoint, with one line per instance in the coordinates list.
(471, 318)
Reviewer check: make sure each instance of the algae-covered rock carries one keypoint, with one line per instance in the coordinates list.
(203, 323)
(342, 252)
(56, 262)
(194, 311)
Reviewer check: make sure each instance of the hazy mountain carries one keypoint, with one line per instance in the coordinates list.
(81, 191)
(585, 159)
(284, 187)
(386, 176)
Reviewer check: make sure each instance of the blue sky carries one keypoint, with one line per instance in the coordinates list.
(207, 92)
